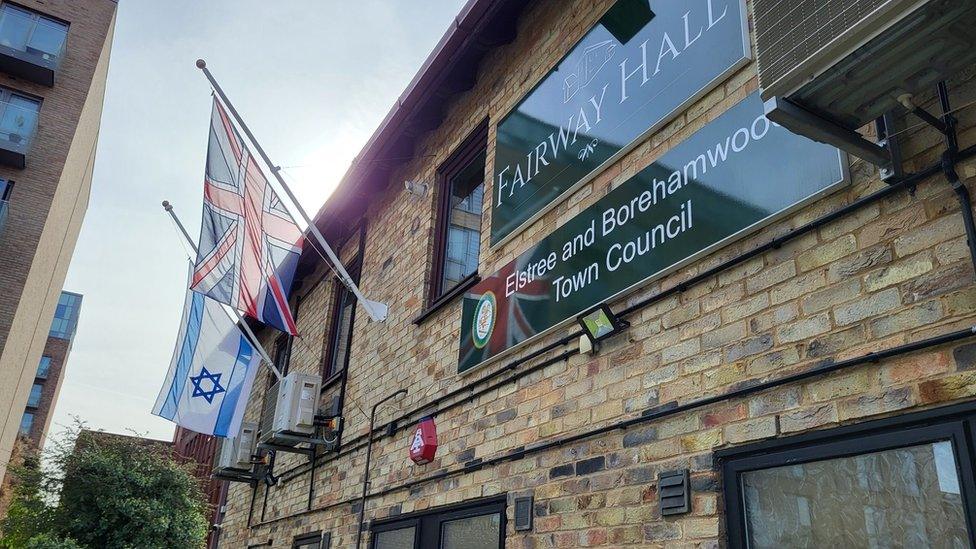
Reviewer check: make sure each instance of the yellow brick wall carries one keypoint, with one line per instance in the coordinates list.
(893, 272)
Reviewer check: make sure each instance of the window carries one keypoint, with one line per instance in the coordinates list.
(18, 116)
(312, 541)
(26, 422)
(6, 187)
(66, 316)
(468, 526)
(31, 32)
(282, 353)
(460, 200)
(34, 400)
(43, 368)
(880, 484)
(340, 331)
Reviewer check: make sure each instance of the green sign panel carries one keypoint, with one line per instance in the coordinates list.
(728, 178)
(644, 62)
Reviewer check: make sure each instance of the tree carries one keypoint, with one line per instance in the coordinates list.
(105, 491)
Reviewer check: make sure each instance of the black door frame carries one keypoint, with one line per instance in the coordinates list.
(954, 423)
(428, 523)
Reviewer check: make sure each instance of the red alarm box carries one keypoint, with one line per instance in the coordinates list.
(423, 444)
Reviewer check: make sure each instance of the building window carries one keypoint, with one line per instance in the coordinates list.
(282, 353)
(34, 400)
(459, 215)
(66, 316)
(467, 526)
(31, 32)
(6, 187)
(26, 422)
(18, 116)
(312, 541)
(340, 330)
(882, 484)
(44, 367)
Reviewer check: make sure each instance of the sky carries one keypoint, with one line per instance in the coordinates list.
(312, 79)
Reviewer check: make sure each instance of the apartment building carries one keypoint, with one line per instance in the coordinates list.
(53, 63)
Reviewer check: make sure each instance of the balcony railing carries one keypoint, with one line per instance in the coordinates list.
(18, 124)
(31, 46)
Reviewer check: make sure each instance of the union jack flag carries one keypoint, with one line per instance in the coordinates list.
(249, 243)
(514, 315)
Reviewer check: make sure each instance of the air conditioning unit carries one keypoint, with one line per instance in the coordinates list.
(289, 409)
(847, 62)
(235, 453)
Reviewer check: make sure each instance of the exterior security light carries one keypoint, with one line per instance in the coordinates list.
(600, 323)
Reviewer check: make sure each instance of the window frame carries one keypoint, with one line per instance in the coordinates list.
(956, 424)
(474, 144)
(340, 293)
(321, 540)
(7, 189)
(429, 524)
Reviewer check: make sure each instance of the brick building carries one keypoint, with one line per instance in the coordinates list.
(200, 449)
(807, 374)
(44, 392)
(53, 64)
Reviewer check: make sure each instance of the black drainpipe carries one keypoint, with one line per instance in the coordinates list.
(949, 159)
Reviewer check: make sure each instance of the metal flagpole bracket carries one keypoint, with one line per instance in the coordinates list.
(376, 310)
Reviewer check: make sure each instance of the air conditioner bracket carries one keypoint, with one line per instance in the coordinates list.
(799, 120)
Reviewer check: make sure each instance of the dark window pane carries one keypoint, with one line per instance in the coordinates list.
(472, 533)
(26, 422)
(395, 539)
(343, 328)
(34, 400)
(463, 238)
(908, 497)
(282, 354)
(44, 367)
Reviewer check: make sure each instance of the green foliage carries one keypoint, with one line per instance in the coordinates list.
(114, 491)
(45, 541)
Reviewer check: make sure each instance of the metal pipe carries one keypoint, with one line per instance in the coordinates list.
(949, 159)
(369, 455)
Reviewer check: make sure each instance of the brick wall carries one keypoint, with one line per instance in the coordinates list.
(892, 272)
(50, 198)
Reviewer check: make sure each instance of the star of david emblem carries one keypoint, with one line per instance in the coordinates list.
(215, 388)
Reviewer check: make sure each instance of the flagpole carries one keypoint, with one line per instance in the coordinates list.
(240, 319)
(376, 310)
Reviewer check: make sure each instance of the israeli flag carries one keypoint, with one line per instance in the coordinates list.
(211, 373)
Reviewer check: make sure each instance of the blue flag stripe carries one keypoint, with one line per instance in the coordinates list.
(187, 351)
(235, 381)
